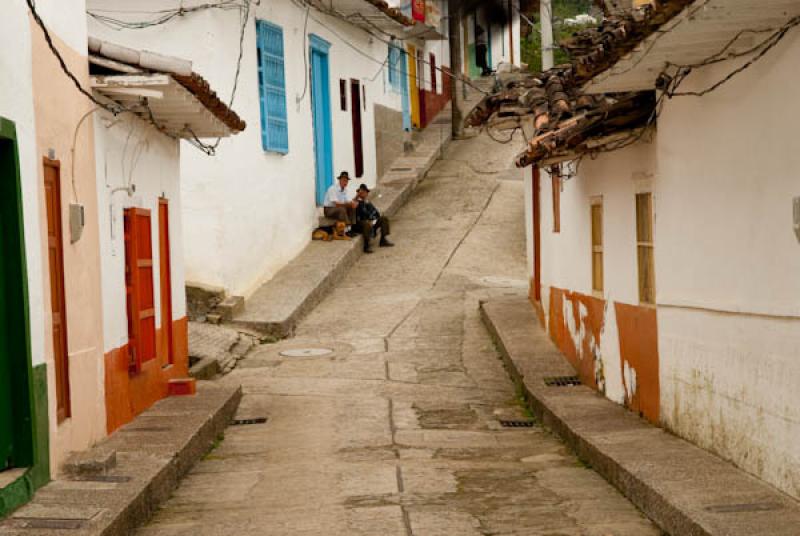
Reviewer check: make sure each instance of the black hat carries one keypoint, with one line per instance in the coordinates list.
(344, 175)
(363, 187)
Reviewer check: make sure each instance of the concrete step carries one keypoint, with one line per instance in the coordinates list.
(684, 489)
(153, 453)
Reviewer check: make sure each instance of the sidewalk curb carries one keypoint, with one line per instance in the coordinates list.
(685, 490)
(150, 470)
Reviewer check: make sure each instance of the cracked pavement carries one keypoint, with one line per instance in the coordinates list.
(395, 431)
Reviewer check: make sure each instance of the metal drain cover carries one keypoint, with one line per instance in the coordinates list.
(306, 352)
(561, 381)
(516, 423)
(252, 420)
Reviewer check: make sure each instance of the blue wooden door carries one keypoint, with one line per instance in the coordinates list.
(321, 116)
(406, 102)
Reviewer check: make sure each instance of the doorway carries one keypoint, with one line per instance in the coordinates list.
(321, 115)
(58, 306)
(16, 413)
(165, 269)
(413, 88)
(358, 146)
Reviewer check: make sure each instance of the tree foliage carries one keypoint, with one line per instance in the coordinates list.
(531, 42)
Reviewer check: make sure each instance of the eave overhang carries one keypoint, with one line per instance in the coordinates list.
(621, 61)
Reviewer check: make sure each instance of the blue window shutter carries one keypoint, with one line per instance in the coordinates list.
(272, 85)
(395, 55)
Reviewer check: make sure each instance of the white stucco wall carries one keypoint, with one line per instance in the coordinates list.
(728, 280)
(16, 104)
(723, 171)
(566, 256)
(129, 151)
(247, 212)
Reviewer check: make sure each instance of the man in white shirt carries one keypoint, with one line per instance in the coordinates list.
(339, 205)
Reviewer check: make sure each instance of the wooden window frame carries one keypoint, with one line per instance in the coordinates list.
(645, 248)
(343, 94)
(555, 178)
(597, 251)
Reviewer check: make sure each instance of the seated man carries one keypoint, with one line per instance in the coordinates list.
(338, 205)
(370, 220)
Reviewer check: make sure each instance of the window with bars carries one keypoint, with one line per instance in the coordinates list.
(597, 245)
(644, 247)
(272, 88)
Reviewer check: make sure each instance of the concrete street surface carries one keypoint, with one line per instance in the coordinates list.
(385, 419)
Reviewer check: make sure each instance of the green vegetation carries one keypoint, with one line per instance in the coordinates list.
(531, 36)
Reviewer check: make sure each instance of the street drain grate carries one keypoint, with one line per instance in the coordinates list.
(306, 352)
(516, 424)
(743, 507)
(561, 381)
(255, 420)
(118, 479)
(50, 523)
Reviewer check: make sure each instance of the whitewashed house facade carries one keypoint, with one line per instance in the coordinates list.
(308, 80)
(666, 265)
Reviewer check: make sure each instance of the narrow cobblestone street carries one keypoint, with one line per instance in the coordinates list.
(396, 429)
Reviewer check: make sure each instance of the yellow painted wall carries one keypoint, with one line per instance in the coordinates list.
(412, 86)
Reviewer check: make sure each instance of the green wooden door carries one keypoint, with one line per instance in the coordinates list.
(6, 409)
(16, 410)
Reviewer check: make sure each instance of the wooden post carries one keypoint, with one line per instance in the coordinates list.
(454, 36)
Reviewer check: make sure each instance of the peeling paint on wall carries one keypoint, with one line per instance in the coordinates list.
(638, 350)
(576, 325)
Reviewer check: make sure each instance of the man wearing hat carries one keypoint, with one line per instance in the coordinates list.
(338, 204)
(369, 220)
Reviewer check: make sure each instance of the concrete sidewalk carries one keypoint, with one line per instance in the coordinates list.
(686, 490)
(277, 306)
(117, 485)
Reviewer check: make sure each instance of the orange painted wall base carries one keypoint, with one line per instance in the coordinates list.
(127, 395)
(576, 325)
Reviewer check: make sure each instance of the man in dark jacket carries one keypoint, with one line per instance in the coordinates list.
(369, 220)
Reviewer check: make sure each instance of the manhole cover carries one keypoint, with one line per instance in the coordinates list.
(306, 352)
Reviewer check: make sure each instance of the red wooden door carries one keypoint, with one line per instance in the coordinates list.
(358, 146)
(166, 281)
(139, 287)
(55, 253)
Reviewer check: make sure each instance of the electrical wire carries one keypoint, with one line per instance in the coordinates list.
(334, 14)
(114, 108)
(306, 74)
